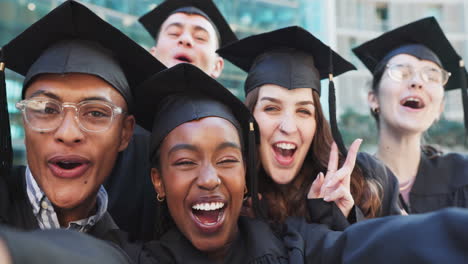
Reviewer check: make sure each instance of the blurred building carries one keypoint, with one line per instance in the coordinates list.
(360, 20)
(246, 17)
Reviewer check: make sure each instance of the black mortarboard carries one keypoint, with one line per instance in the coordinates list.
(290, 57)
(185, 93)
(423, 39)
(154, 19)
(71, 38)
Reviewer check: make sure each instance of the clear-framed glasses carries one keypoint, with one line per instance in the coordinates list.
(46, 114)
(404, 72)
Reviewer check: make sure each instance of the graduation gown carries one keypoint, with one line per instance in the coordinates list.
(16, 210)
(441, 181)
(132, 198)
(59, 246)
(438, 237)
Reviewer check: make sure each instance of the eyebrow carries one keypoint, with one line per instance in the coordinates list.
(58, 98)
(181, 147)
(225, 145)
(274, 100)
(45, 93)
(175, 24)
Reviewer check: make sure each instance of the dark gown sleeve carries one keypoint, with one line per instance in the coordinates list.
(439, 237)
(375, 170)
(329, 214)
(59, 246)
(132, 198)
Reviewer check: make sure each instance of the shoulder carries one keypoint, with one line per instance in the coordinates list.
(374, 169)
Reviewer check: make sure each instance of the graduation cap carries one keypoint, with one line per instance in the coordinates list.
(154, 19)
(290, 57)
(185, 93)
(72, 39)
(423, 39)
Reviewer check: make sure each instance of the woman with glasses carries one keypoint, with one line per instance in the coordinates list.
(410, 67)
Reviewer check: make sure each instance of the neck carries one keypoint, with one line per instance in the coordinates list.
(82, 211)
(400, 152)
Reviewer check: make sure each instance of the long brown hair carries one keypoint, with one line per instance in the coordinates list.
(290, 200)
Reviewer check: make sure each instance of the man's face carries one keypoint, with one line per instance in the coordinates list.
(189, 38)
(69, 163)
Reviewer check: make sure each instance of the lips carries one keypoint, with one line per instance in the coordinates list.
(68, 166)
(183, 58)
(208, 214)
(284, 152)
(413, 103)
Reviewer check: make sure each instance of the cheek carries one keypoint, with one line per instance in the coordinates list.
(308, 129)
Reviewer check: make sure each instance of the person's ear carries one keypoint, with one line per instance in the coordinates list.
(153, 51)
(373, 101)
(128, 125)
(218, 67)
(158, 183)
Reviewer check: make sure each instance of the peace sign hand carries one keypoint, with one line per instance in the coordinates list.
(336, 184)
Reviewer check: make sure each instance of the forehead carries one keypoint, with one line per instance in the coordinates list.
(411, 60)
(189, 20)
(195, 132)
(72, 87)
(283, 94)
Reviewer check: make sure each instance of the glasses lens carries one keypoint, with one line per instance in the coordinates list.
(95, 116)
(433, 75)
(399, 72)
(43, 114)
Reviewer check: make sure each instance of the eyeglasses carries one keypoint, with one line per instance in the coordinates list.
(45, 114)
(404, 72)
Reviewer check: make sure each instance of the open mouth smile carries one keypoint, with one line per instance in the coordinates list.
(284, 152)
(414, 103)
(68, 166)
(208, 215)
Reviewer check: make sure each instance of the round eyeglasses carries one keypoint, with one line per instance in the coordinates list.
(45, 114)
(404, 72)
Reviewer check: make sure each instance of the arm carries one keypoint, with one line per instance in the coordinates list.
(59, 246)
(439, 237)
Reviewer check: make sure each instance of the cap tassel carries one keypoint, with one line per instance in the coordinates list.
(464, 97)
(332, 111)
(252, 171)
(6, 152)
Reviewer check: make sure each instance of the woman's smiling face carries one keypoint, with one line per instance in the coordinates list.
(286, 119)
(202, 177)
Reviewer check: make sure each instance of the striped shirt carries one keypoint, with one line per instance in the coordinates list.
(45, 214)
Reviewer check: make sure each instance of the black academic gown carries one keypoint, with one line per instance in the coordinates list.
(328, 213)
(16, 210)
(132, 198)
(441, 181)
(439, 237)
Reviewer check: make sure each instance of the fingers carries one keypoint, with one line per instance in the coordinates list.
(314, 191)
(341, 193)
(333, 160)
(344, 173)
(352, 154)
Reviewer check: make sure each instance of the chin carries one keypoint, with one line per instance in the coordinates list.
(282, 176)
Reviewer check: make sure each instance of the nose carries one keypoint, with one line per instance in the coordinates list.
(69, 132)
(416, 82)
(185, 39)
(288, 124)
(208, 178)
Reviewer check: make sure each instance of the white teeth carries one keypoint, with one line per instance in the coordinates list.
(208, 206)
(285, 145)
(412, 99)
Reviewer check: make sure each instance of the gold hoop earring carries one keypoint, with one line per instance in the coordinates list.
(245, 193)
(159, 198)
